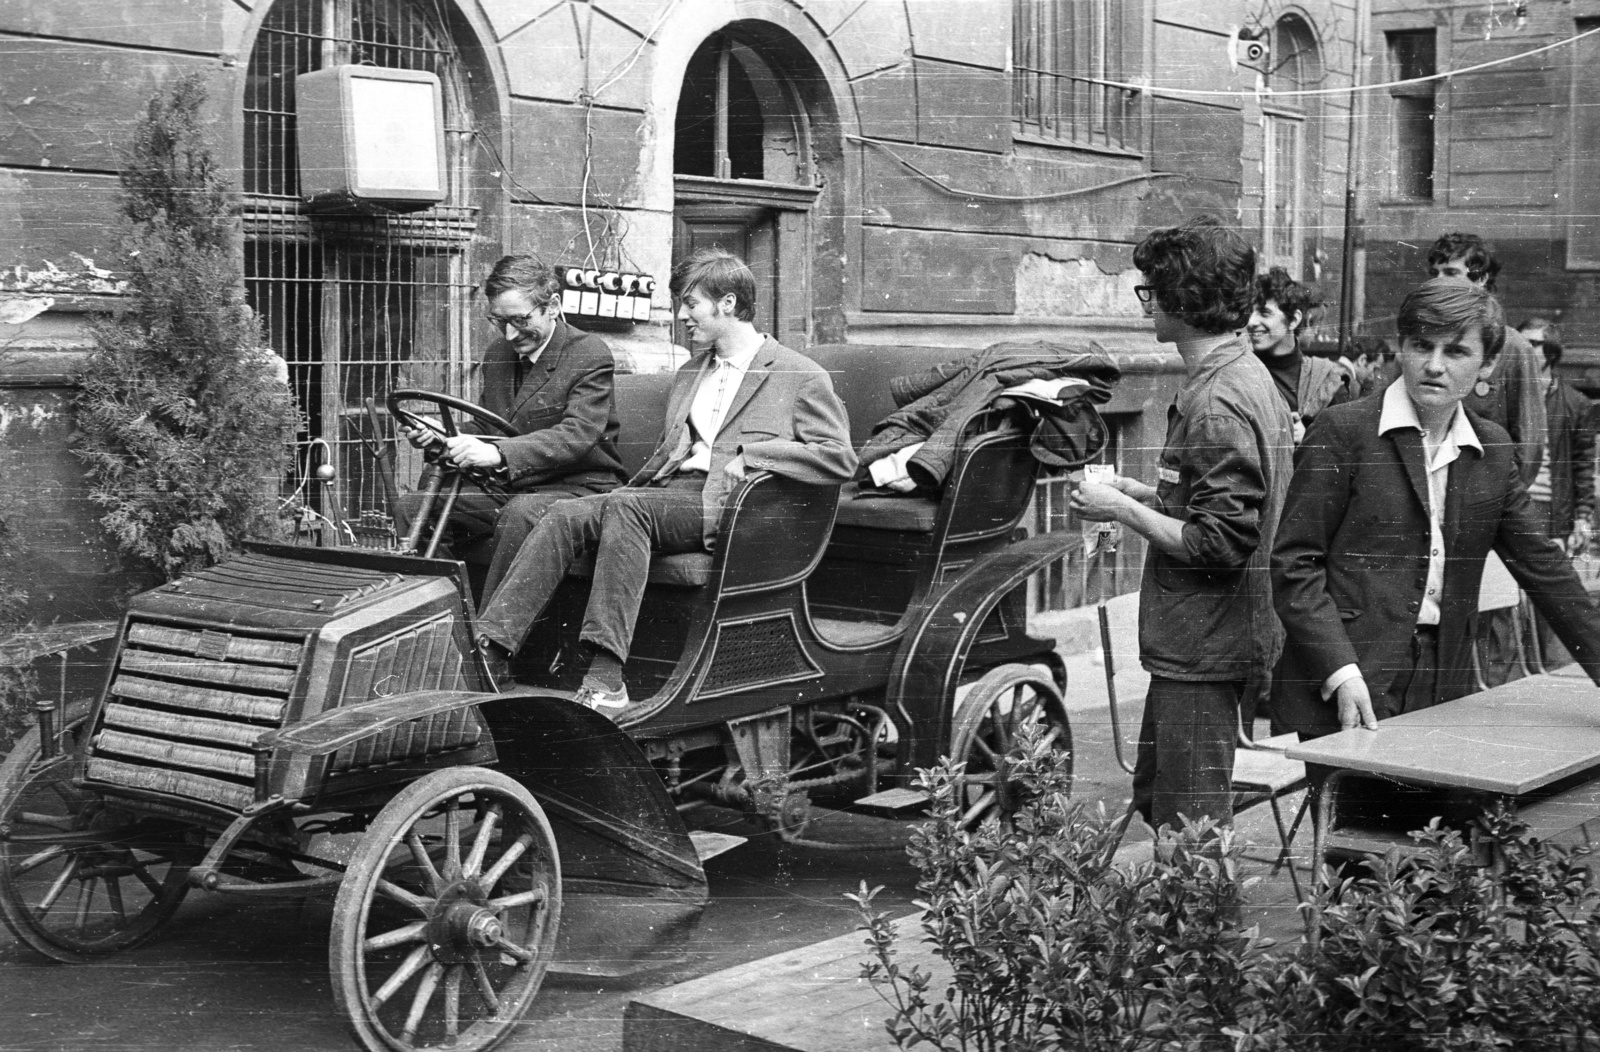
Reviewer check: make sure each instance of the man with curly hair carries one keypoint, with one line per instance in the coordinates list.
(1207, 631)
(1283, 309)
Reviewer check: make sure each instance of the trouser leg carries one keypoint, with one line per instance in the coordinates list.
(568, 529)
(517, 520)
(1186, 748)
(637, 521)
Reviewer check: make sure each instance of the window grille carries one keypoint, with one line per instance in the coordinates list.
(1059, 49)
(357, 305)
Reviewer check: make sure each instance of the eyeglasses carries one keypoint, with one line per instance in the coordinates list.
(520, 322)
(1146, 293)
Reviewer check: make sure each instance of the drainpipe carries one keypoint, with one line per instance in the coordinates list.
(1353, 260)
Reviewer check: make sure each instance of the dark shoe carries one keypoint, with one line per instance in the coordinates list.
(601, 700)
(497, 661)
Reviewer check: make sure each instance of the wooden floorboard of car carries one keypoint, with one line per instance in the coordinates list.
(807, 1000)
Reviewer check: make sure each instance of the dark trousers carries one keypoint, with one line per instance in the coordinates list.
(477, 514)
(1186, 744)
(621, 528)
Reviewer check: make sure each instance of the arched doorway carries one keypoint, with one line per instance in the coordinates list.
(749, 169)
(359, 304)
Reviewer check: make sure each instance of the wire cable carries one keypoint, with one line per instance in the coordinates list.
(1240, 93)
(1058, 195)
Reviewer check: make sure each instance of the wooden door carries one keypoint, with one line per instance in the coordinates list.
(749, 232)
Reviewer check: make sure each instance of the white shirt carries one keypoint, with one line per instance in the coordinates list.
(718, 387)
(1399, 412)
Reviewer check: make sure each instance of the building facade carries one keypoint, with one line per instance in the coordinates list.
(940, 172)
(1507, 152)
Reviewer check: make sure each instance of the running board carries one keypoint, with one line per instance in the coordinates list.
(892, 803)
(709, 845)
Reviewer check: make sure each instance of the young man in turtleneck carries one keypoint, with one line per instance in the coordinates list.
(1283, 308)
(1207, 631)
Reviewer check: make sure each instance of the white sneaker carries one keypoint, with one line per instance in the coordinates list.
(602, 700)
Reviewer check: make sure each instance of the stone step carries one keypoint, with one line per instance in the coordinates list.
(808, 1000)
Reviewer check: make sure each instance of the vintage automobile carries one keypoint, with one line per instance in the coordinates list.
(298, 719)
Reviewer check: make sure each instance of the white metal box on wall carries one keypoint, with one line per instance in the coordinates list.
(370, 136)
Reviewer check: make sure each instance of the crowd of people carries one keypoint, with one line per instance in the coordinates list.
(1326, 531)
(1318, 529)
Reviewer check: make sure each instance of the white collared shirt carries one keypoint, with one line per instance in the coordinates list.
(718, 386)
(1399, 412)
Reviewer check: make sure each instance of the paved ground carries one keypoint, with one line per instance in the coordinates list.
(226, 976)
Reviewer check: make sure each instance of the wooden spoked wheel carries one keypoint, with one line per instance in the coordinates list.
(446, 920)
(80, 876)
(984, 733)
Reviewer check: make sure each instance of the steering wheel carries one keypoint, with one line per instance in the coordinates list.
(445, 428)
(445, 403)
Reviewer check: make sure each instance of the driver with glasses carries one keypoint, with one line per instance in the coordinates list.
(553, 384)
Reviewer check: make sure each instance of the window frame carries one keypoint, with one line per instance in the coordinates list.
(1095, 117)
(1420, 100)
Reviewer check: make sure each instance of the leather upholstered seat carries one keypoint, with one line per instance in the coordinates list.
(879, 511)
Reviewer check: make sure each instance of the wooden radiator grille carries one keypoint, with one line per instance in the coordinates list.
(185, 708)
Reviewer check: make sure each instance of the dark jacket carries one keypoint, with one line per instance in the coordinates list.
(1223, 473)
(785, 419)
(936, 405)
(1513, 398)
(1570, 453)
(1351, 560)
(561, 407)
(1322, 383)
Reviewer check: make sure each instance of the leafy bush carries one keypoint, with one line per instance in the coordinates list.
(183, 424)
(1049, 946)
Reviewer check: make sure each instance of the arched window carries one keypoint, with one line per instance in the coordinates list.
(356, 304)
(745, 178)
(1295, 65)
(737, 119)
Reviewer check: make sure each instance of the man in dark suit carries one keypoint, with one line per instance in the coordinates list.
(742, 403)
(554, 385)
(1395, 503)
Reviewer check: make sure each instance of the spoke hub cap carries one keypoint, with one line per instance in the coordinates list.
(463, 926)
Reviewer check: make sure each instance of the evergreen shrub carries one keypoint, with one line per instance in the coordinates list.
(184, 426)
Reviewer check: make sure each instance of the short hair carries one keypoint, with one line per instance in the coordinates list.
(1474, 251)
(1202, 271)
(1553, 351)
(523, 274)
(1450, 305)
(717, 273)
(1278, 287)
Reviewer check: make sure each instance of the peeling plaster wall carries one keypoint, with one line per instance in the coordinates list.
(1077, 288)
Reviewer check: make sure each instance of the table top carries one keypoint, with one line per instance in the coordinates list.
(1511, 739)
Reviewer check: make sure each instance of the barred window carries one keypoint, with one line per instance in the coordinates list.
(359, 304)
(1060, 50)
